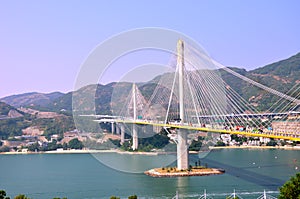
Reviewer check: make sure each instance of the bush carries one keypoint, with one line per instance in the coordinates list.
(21, 196)
(75, 144)
(4, 149)
(291, 189)
(3, 195)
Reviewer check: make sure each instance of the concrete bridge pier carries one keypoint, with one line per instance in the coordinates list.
(117, 128)
(182, 150)
(122, 126)
(134, 137)
(112, 128)
(156, 129)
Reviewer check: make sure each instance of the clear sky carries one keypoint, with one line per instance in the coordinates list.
(43, 43)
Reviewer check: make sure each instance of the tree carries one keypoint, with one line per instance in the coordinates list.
(114, 197)
(132, 197)
(3, 195)
(220, 143)
(272, 143)
(65, 146)
(4, 149)
(291, 189)
(75, 144)
(34, 147)
(21, 196)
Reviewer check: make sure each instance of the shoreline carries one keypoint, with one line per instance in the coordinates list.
(256, 147)
(86, 151)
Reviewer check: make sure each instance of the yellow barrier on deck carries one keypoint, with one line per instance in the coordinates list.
(278, 135)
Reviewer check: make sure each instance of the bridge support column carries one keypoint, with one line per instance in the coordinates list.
(112, 128)
(156, 129)
(117, 129)
(134, 137)
(122, 134)
(182, 150)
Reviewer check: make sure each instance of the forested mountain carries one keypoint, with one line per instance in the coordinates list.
(283, 76)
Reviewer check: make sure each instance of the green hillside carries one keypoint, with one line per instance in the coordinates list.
(281, 76)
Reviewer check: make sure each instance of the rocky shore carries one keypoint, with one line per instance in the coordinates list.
(165, 172)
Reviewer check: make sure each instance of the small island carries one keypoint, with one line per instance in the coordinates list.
(192, 171)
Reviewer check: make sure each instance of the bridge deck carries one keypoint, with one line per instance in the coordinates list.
(270, 134)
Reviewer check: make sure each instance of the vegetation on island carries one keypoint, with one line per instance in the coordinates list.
(130, 197)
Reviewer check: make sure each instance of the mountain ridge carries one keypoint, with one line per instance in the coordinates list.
(281, 76)
(29, 98)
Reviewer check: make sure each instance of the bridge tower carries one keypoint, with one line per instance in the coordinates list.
(182, 147)
(134, 126)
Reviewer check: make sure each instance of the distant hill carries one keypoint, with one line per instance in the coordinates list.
(281, 76)
(33, 99)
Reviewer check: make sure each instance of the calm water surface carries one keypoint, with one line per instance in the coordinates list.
(83, 176)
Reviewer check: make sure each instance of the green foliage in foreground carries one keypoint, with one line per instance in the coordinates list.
(3, 195)
(114, 197)
(20, 196)
(291, 189)
(132, 197)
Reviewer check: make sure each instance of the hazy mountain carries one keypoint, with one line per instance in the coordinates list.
(33, 99)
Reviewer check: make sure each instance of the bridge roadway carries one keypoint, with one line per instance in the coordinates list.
(293, 136)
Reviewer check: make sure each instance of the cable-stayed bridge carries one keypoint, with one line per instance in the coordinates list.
(195, 98)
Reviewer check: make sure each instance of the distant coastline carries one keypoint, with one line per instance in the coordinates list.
(256, 147)
(85, 151)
